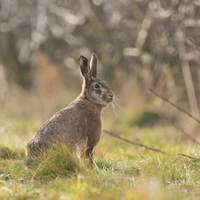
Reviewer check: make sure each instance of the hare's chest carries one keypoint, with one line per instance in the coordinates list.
(94, 131)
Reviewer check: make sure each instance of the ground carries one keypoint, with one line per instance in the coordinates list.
(120, 171)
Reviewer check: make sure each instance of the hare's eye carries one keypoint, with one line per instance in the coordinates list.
(96, 86)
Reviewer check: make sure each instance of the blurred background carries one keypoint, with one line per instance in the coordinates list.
(140, 44)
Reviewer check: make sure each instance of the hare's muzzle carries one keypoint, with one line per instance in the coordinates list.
(111, 97)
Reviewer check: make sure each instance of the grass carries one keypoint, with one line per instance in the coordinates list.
(121, 171)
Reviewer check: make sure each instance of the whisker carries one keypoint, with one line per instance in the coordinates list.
(116, 98)
(114, 109)
(117, 104)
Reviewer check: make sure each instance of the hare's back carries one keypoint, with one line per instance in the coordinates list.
(66, 126)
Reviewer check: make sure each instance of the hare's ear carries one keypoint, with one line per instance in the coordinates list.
(93, 65)
(84, 66)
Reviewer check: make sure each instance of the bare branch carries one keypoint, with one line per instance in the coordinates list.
(134, 143)
(174, 105)
(182, 131)
(146, 147)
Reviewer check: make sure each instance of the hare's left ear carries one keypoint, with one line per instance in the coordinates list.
(93, 65)
(84, 67)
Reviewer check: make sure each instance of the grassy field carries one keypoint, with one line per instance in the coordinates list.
(121, 170)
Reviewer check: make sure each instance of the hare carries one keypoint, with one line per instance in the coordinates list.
(78, 126)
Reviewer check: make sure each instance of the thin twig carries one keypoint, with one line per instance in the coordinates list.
(134, 143)
(184, 155)
(182, 131)
(172, 123)
(146, 147)
(171, 103)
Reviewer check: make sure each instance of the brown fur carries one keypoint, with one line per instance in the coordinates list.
(79, 124)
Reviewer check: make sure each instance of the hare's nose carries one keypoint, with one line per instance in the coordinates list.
(111, 97)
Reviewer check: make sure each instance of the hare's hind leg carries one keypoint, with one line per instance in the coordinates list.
(28, 159)
(81, 148)
(84, 150)
(89, 153)
(30, 154)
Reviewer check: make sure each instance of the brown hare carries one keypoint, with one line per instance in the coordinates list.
(78, 126)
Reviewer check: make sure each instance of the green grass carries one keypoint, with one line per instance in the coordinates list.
(121, 171)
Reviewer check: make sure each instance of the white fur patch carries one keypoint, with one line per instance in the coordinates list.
(81, 148)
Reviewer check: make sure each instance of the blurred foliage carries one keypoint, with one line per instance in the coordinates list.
(7, 153)
(155, 42)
